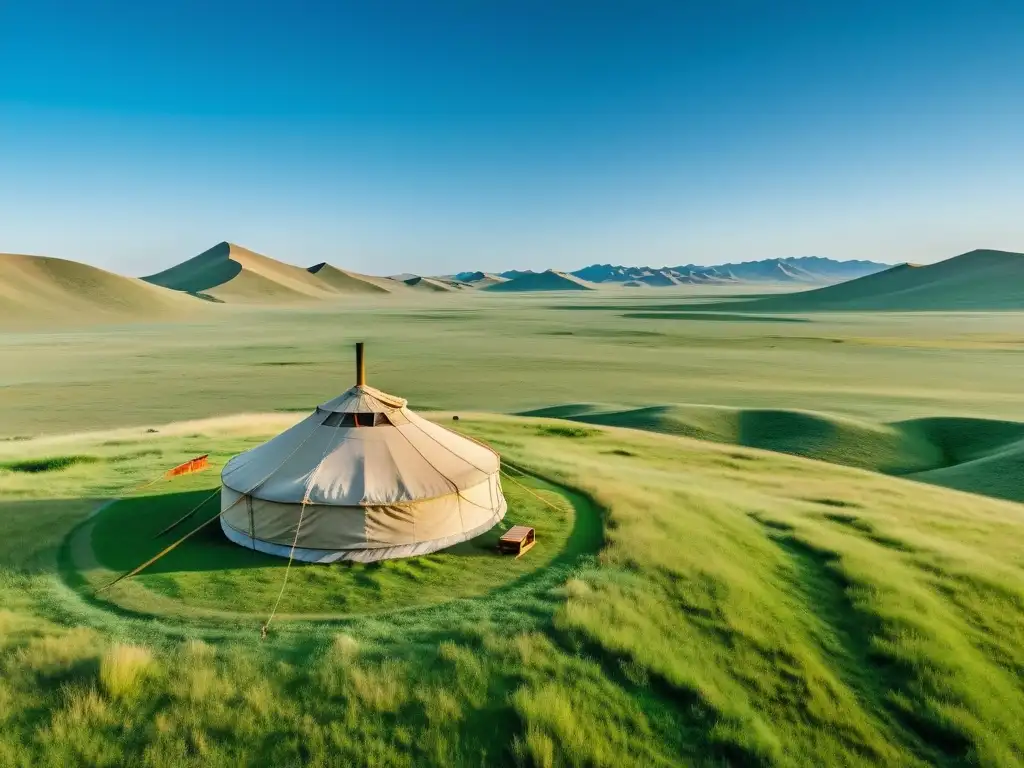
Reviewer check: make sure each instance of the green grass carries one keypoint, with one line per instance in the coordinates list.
(745, 607)
(981, 280)
(517, 352)
(210, 572)
(706, 603)
(979, 455)
(51, 464)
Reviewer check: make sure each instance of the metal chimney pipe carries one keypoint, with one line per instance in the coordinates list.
(360, 365)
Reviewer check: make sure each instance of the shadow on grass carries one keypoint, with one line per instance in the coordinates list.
(466, 583)
(125, 535)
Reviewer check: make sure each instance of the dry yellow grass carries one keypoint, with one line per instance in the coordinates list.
(123, 669)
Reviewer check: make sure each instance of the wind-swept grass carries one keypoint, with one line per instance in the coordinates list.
(746, 608)
(725, 605)
(980, 455)
(123, 668)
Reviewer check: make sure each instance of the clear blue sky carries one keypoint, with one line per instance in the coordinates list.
(439, 136)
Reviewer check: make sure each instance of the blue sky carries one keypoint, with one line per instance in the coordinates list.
(439, 136)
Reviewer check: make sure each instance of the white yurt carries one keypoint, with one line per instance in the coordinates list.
(362, 478)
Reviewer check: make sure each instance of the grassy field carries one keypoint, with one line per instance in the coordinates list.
(691, 602)
(209, 572)
(498, 353)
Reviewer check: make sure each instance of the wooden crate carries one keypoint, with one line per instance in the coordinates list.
(518, 540)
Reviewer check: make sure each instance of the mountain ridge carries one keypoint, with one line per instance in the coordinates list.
(800, 269)
(549, 280)
(232, 273)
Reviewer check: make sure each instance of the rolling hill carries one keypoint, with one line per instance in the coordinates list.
(429, 284)
(480, 279)
(542, 281)
(977, 455)
(344, 281)
(511, 274)
(979, 280)
(40, 291)
(228, 272)
(231, 273)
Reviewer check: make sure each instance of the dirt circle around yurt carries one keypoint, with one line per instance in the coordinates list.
(208, 577)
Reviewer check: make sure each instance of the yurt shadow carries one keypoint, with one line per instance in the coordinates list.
(126, 534)
(366, 507)
(207, 572)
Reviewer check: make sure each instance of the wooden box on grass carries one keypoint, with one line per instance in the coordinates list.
(517, 540)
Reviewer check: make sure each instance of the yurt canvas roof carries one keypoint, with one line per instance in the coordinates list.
(324, 461)
(361, 478)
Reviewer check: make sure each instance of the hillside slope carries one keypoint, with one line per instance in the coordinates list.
(480, 279)
(429, 285)
(228, 272)
(977, 455)
(742, 608)
(40, 291)
(344, 281)
(542, 281)
(979, 280)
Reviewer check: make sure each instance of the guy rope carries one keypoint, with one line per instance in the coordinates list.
(137, 570)
(295, 539)
(504, 470)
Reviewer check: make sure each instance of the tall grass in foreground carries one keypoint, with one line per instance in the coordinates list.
(123, 669)
(746, 609)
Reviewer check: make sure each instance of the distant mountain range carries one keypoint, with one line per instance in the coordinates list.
(811, 270)
(977, 281)
(38, 291)
(529, 282)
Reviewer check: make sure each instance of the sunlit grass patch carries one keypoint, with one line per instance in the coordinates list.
(123, 669)
(56, 654)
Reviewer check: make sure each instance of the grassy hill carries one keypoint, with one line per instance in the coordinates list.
(541, 281)
(39, 291)
(230, 273)
(744, 608)
(979, 455)
(736, 606)
(976, 281)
